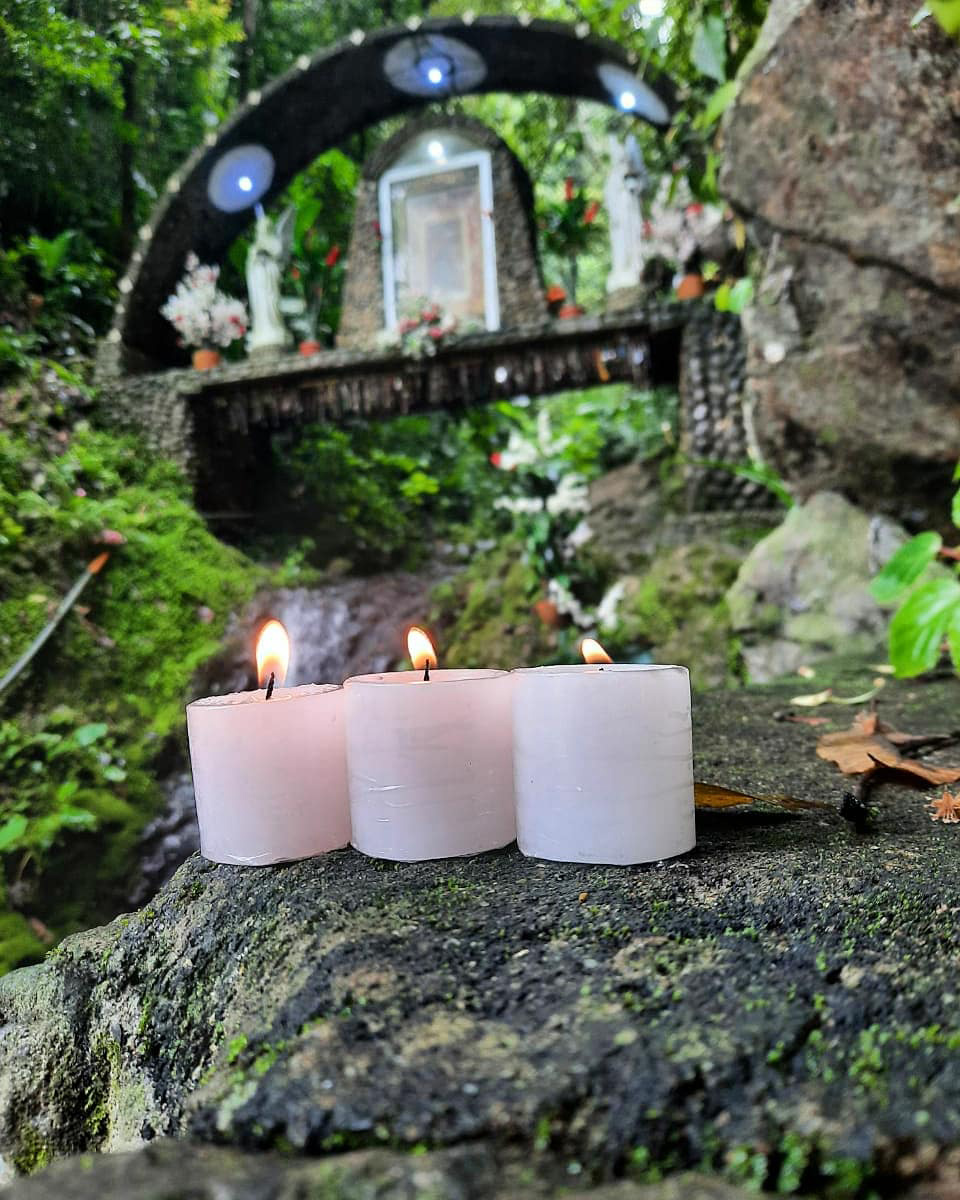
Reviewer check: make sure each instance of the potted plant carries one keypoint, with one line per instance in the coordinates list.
(569, 230)
(203, 316)
(317, 277)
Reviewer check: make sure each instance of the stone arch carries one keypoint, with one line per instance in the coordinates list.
(320, 102)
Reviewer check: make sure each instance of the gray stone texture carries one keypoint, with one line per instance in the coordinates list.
(522, 299)
(804, 589)
(841, 150)
(778, 1006)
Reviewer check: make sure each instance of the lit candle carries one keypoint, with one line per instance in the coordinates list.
(269, 767)
(603, 761)
(429, 759)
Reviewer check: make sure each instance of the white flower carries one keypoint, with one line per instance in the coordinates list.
(610, 604)
(568, 604)
(519, 504)
(200, 313)
(572, 495)
(579, 536)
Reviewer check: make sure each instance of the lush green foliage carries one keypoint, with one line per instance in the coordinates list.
(82, 727)
(929, 607)
(380, 493)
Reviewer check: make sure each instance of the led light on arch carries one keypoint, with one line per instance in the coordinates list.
(245, 183)
(628, 101)
(435, 149)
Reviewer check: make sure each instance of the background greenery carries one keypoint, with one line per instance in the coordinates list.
(102, 100)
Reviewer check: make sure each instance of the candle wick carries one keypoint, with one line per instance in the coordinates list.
(270, 682)
(426, 671)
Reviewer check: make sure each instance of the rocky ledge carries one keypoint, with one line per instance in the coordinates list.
(780, 1008)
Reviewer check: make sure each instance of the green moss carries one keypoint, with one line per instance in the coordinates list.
(122, 660)
(485, 615)
(677, 611)
(33, 1153)
(19, 945)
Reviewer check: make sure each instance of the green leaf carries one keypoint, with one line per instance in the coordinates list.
(905, 568)
(717, 105)
(920, 15)
(114, 774)
(709, 51)
(918, 626)
(86, 735)
(953, 639)
(947, 13)
(12, 830)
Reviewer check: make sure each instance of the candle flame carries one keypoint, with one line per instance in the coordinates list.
(420, 648)
(273, 653)
(593, 652)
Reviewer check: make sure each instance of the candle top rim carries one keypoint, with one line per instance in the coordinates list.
(281, 695)
(438, 676)
(595, 668)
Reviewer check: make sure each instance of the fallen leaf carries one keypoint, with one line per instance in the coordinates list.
(806, 672)
(882, 668)
(708, 795)
(813, 699)
(792, 717)
(862, 698)
(869, 744)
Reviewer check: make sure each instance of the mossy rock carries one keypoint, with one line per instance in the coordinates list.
(485, 617)
(777, 1007)
(676, 611)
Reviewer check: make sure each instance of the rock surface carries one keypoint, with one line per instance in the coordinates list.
(779, 1006)
(170, 1170)
(841, 150)
(803, 590)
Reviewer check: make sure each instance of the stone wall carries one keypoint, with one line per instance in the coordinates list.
(842, 152)
(518, 271)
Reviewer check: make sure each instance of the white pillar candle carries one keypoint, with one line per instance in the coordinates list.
(603, 762)
(270, 775)
(430, 763)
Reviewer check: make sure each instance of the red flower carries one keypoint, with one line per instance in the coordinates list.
(496, 457)
(294, 272)
(111, 537)
(568, 188)
(332, 256)
(591, 214)
(694, 210)
(435, 332)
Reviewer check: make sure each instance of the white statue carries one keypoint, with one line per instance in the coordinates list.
(265, 261)
(622, 195)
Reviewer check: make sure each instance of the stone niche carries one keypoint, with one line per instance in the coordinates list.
(444, 213)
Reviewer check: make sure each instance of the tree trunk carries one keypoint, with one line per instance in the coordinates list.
(128, 186)
(247, 46)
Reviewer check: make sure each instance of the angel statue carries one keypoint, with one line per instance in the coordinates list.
(268, 253)
(623, 197)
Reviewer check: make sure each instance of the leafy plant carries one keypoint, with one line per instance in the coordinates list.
(929, 608)
(569, 230)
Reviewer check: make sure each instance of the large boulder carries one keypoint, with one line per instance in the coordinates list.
(841, 151)
(804, 590)
(778, 1006)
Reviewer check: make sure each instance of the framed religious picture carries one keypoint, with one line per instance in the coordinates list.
(436, 221)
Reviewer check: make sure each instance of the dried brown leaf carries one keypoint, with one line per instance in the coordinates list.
(708, 795)
(868, 744)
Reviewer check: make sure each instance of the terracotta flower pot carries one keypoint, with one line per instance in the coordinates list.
(690, 287)
(204, 359)
(310, 346)
(548, 613)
